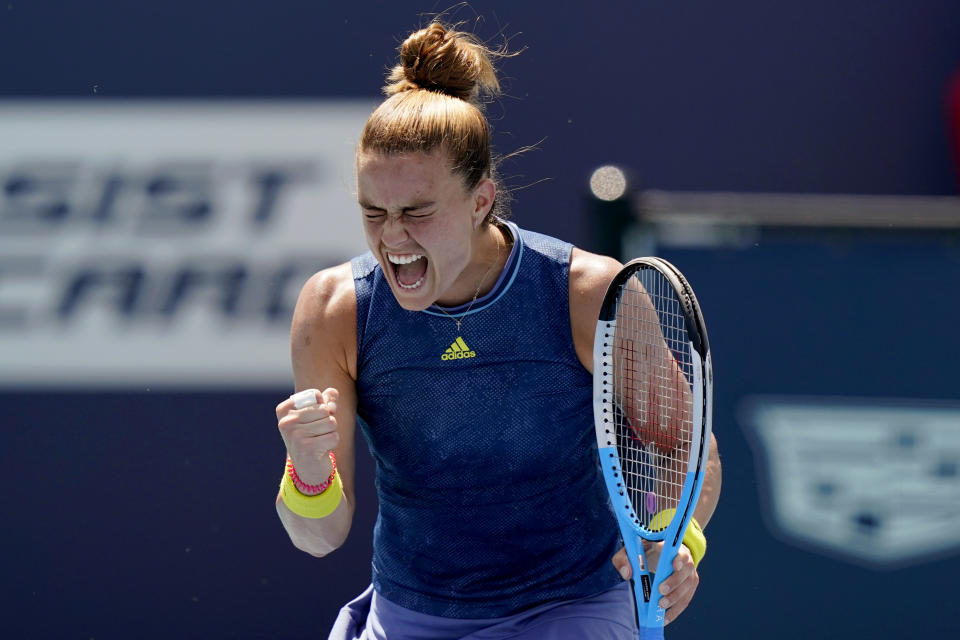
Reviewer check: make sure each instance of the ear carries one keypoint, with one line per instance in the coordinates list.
(483, 196)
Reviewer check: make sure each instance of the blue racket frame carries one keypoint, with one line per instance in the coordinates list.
(650, 616)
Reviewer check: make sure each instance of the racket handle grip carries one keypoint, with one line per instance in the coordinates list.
(651, 633)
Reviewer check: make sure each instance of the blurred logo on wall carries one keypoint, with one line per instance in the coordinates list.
(164, 243)
(875, 483)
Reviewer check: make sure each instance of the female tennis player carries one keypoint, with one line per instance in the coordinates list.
(462, 347)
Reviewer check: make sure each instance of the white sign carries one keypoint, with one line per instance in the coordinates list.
(876, 483)
(155, 243)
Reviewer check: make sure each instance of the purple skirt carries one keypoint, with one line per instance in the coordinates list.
(606, 616)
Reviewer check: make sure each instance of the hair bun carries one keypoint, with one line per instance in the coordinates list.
(440, 59)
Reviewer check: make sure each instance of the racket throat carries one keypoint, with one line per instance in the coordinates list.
(642, 583)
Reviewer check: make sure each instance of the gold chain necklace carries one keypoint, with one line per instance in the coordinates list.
(476, 294)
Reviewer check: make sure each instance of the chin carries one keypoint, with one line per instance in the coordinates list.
(411, 301)
(410, 306)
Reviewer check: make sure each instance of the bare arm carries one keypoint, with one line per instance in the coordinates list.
(710, 492)
(323, 346)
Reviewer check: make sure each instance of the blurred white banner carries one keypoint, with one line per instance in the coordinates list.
(156, 243)
(875, 482)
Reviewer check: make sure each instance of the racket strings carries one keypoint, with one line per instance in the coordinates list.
(651, 374)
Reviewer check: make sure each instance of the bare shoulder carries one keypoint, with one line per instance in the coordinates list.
(590, 274)
(328, 291)
(324, 321)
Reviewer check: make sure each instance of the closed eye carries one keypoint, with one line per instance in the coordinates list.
(372, 213)
(411, 213)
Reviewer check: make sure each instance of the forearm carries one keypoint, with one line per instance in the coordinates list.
(710, 492)
(323, 347)
(317, 536)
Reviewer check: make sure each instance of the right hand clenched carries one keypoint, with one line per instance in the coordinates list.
(310, 434)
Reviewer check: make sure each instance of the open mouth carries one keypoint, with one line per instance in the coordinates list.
(409, 269)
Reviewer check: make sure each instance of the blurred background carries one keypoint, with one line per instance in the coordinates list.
(171, 173)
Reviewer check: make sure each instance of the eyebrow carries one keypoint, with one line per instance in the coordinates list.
(417, 205)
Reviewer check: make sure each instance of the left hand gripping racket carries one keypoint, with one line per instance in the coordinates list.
(652, 405)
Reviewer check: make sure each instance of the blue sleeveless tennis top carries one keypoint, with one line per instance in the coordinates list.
(490, 497)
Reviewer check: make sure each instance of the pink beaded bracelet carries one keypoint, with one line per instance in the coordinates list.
(311, 489)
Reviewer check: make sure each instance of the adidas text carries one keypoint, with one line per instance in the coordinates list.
(459, 355)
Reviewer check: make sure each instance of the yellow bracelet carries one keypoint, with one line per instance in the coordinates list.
(693, 537)
(314, 507)
(695, 541)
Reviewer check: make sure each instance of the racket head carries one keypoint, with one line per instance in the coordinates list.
(652, 398)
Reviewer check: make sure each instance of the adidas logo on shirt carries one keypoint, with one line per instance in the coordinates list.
(458, 351)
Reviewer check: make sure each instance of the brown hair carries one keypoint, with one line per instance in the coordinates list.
(435, 102)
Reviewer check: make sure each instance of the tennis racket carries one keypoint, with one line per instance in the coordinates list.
(652, 404)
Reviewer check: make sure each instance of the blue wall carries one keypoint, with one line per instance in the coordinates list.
(827, 315)
(150, 514)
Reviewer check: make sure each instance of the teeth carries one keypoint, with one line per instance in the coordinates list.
(413, 257)
(407, 259)
(411, 286)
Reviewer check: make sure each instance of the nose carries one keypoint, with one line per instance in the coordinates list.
(394, 233)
